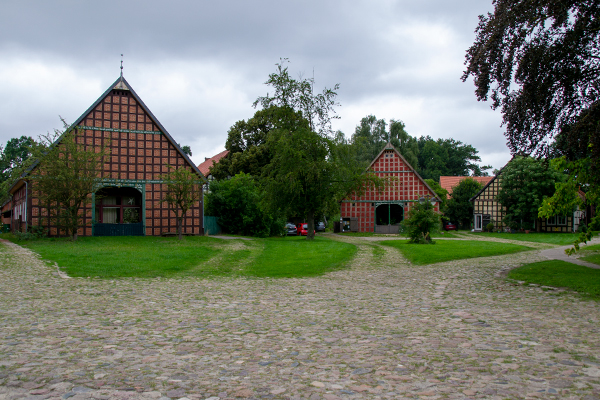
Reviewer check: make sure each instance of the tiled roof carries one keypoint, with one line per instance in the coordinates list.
(208, 162)
(449, 182)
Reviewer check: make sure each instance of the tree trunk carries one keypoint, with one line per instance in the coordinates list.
(179, 233)
(311, 225)
(538, 225)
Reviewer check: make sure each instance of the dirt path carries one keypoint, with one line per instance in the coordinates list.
(381, 329)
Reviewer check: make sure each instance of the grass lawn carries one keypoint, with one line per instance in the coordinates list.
(445, 235)
(561, 274)
(591, 253)
(148, 257)
(559, 239)
(125, 256)
(422, 254)
(298, 257)
(367, 234)
(383, 235)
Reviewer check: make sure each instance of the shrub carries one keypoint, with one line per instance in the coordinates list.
(238, 204)
(32, 233)
(489, 227)
(421, 223)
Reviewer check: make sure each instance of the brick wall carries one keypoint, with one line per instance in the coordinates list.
(139, 152)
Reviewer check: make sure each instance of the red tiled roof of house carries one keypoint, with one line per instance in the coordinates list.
(449, 182)
(208, 162)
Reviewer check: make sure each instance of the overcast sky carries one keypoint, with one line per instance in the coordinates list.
(199, 65)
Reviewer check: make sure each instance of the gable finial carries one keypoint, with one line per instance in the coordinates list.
(121, 66)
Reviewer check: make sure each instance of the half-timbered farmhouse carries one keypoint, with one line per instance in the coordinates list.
(487, 209)
(130, 187)
(382, 212)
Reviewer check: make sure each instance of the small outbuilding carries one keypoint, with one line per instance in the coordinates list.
(382, 212)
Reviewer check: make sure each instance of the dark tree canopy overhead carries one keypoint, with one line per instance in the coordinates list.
(539, 61)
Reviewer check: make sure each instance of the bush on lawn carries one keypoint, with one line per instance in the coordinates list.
(421, 223)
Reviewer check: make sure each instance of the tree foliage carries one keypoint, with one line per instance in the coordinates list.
(371, 135)
(440, 192)
(14, 154)
(184, 189)
(15, 157)
(304, 177)
(447, 157)
(525, 183)
(65, 177)
(459, 209)
(421, 223)
(317, 109)
(247, 141)
(300, 166)
(238, 203)
(538, 62)
(577, 149)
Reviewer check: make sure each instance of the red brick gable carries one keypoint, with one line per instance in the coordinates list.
(141, 149)
(404, 186)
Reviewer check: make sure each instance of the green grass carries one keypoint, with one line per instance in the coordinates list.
(126, 256)
(384, 235)
(367, 234)
(591, 253)
(298, 257)
(593, 258)
(422, 254)
(148, 257)
(558, 273)
(559, 239)
(445, 235)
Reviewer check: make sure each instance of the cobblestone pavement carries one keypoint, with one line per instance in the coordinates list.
(380, 329)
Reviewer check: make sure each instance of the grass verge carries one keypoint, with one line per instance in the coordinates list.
(369, 234)
(559, 239)
(126, 256)
(422, 254)
(294, 257)
(591, 253)
(150, 257)
(557, 273)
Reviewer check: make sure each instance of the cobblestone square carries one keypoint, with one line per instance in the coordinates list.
(381, 329)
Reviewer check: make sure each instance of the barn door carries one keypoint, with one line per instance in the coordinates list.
(388, 218)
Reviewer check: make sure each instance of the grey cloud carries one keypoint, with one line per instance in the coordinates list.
(356, 44)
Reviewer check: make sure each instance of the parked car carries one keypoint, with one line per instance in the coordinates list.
(303, 229)
(291, 229)
(450, 226)
(320, 227)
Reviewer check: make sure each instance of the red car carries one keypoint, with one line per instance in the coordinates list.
(449, 226)
(302, 229)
